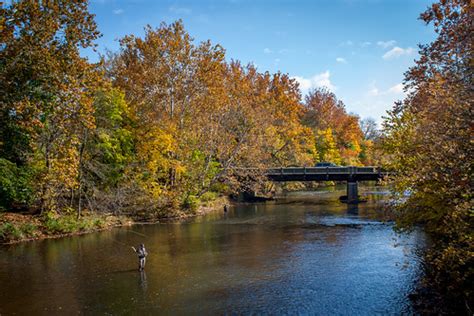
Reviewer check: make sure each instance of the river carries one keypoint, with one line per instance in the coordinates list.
(306, 253)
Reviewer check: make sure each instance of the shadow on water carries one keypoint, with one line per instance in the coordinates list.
(300, 257)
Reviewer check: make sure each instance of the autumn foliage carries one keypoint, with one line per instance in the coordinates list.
(153, 126)
(165, 122)
(338, 134)
(429, 137)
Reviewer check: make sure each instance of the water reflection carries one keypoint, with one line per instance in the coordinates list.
(314, 256)
(353, 209)
(143, 283)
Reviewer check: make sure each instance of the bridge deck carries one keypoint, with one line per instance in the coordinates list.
(325, 174)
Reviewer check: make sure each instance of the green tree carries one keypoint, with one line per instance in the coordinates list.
(15, 186)
(107, 152)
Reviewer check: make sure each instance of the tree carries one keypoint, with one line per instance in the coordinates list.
(327, 146)
(429, 138)
(198, 118)
(324, 111)
(369, 129)
(174, 89)
(47, 91)
(371, 150)
(107, 153)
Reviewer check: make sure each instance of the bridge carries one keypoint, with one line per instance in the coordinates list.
(350, 174)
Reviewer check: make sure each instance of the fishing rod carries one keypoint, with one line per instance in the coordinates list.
(121, 243)
(132, 231)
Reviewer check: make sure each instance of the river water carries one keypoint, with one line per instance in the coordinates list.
(303, 254)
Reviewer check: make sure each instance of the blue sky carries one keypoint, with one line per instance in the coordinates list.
(357, 48)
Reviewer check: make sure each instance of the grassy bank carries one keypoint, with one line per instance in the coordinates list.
(18, 227)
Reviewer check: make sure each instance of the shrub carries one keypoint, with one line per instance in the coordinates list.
(9, 231)
(99, 223)
(64, 224)
(209, 196)
(29, 230)
(191, 202)
(220, 187)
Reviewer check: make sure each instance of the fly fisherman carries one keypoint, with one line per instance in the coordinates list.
(141, 251)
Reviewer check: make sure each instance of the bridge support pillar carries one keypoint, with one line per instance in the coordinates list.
(352, 192)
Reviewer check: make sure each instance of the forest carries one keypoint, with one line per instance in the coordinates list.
(157, 126)
(161, 125)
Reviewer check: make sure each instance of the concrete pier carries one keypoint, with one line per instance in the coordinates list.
(352, 192)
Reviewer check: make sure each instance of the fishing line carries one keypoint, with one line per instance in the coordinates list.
(132, 231)
(118, 242)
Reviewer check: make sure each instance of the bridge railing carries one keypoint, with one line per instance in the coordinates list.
(322, 170)
(367, 169)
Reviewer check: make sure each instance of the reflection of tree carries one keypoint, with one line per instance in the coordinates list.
(194, 264)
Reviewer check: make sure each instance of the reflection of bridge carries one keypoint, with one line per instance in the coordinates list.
(349, 174)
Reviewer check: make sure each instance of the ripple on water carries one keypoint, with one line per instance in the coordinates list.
(300, 258)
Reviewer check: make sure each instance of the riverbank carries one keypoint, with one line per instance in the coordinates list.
(23, 227)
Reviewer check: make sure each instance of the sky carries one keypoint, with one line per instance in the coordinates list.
(359, 49)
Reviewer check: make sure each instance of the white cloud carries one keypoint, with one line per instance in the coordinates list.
(318, 80)
(283, 51)
(394, 90)
(267, 50)
(386, 44)
(350, 43)
(118, 11)
(277, 60)
(347, 43)
(180, 10)
(374, 91)
(397, 52)
(376, 100)
(341, 60)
